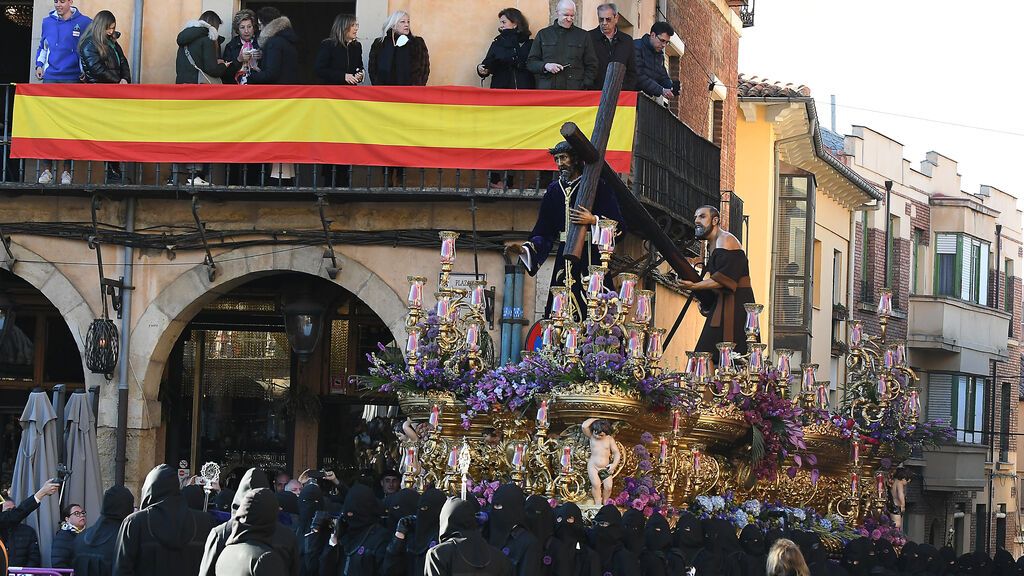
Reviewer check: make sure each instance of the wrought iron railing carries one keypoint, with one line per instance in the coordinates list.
(674, 172)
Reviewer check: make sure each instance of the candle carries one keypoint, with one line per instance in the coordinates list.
(807, 384)
(559, 300)
(517, 456)
(448, 246)
(783, 366)
(880, 485)
(675, 420)
(889, 358)
(913, 404)
(724, 356)
(856, 332)
(752, 327)
(628, 289)
(572, 338)
(821, 399)
(409, 460)
(477, 298)
(566, 460)
(642, 312)
(854, 485)
(885, 302)
(663, 458)
(596, 284)
(473, 337)
(547, 339)
(856, 452)
(416, 291)
(696, 459)
(755, 364)
(634, 342)
(413, 343)
(453, 458)
(691, 363)
(654, 339)
(883, 387)
(435, 416)
(703, 364)
(606, 235)
(542, 414)
(443, 309)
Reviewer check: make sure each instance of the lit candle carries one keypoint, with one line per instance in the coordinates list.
(914, 404)
(596, 284)
(724, 356)
(517, 456)
(675, 420)
(409, 461)
(755, 364)
(476, 295)
(856, 332)
(435, 416)
(691, 363)
(654, 339)
(856, 451)
(542, 414)
(854, 485)
(703, 367)
(883, 387)
(807, 385)
(448, 246)
(880, 485)
(413, 343)
(663, 458)
(416, 291)
(783, 365)
(559, 299)
(453, 458)
(628, 289)
(606, 235)
(547, 339)
(572, 338)
(634, 342)
(443, 309)
(885, 302)
(822, 396)
(566, 460)
(473, 337)
(696, 459)
(889, 358)
(642, 312)
(753, 324)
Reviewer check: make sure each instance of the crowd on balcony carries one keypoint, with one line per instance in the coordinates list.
(264, 49)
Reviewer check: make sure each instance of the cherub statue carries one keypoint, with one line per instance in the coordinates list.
(604, 458)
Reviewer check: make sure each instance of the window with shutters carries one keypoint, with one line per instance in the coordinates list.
(915, 260)
(959, 399)
(1004, 422)
(793, 262)
(961, 267)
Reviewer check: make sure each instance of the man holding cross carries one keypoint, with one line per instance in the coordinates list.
(557, 213)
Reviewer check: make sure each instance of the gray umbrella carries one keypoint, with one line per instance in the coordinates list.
(83, 486)
(37, 463)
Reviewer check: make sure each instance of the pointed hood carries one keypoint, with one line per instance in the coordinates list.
(633, 522)
(459, 527)
(657, 535)
(255, 520)
(606, 534)
(252, 479)
(428, 520)
(507, 511)
(540, 518)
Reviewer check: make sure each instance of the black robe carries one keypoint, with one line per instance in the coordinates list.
(606, 538)
(249, 550)
(463, 551)
(756, 555)
(407, 556)
(688, 546)
(540, 521)
(655, 559)
(547, 232)
(633, 522)
(284, 542)
(164, 537)
(507, 531)
(725, 324)
(570, 555)
(362, 541)
(95, 548)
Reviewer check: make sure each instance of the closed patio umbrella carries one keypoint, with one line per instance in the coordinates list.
(83, 486)
(37, 463)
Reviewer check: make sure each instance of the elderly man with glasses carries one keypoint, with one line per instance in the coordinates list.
(652, 77)
(562, 56)
(612, 45)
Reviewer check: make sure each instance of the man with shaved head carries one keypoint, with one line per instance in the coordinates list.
(562, 56)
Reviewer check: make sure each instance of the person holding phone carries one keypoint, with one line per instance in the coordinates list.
(562, 56)
(339, 60)
(242, 52)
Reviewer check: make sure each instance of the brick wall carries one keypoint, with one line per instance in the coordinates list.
(867, 299)
(712, 47)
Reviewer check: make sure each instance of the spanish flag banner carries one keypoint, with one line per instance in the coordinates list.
(424, 127)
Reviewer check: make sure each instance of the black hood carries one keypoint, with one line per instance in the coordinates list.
(508, 510)
(859, 556)
(428, 520)
(606, 534)
(118, 503)
(255, 519)
(288, 502)
(459, 526)
(168, 517)
(399, 505)
(252, 479)
(752, 541)
(633, 530)
(540, 519)
(311, 501)
(1002, 563)
(721, 534)
(688, 533)
(194, 497)
(657, 536)
(885, 554)
(909, 557)
(361, 509)
(771, 536)
(569, 527)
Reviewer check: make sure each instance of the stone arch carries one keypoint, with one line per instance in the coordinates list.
(166, 316)
(62, 293)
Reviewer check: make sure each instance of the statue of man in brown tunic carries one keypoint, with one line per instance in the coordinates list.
(726, 287)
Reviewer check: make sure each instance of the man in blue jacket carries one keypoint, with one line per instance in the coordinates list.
(57, 60)
(651, 76)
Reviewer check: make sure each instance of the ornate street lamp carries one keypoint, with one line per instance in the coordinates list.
(303, 323)
(101, 347)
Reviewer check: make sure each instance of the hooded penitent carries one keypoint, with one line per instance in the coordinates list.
(250, 545)
(633, 530)
(164, 537)
(540, 519)
(94, 549)
(754, 551)
(428, 520)
(859, 557)
(606, 534)
(194, 497)
(360, 511)
(399, 505)
(655, 559)
(569, 534)
(311, 500)
(508, 510)
(1002, 563)
(463, 549)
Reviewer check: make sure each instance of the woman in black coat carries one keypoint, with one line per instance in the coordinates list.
(103, 62)
(94, 548)
(398, 58)
(242, 52)
(62, 550)
(340, 57)
(505, 61)
(280, 62)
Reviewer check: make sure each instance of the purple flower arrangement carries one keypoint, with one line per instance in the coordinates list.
(639, 492)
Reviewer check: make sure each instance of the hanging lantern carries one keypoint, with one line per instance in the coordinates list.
(303, 322)
(101, 346)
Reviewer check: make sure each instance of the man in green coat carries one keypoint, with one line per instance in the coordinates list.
(562, 56)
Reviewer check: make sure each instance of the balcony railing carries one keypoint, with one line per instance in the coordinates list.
(674, 172)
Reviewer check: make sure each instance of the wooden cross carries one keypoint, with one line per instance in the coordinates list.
(591, 153)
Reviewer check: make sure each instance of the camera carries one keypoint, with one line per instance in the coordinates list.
(62, 474)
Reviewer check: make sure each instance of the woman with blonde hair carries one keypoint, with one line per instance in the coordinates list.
(340, 57)
(785, 559)
(398, 58)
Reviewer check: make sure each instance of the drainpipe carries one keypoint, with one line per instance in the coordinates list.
(517, 312)
(137, 42)
(121, 454)
(506, 313)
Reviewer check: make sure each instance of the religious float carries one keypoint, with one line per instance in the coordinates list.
(721, 439)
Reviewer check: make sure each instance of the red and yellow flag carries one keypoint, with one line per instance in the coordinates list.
(428, 127)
